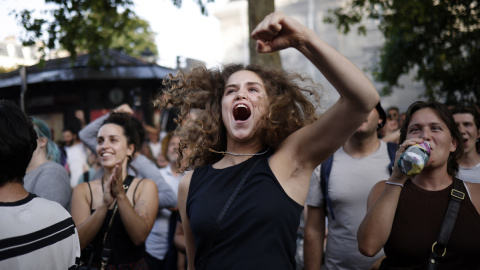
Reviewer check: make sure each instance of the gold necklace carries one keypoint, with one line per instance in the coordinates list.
(234, 154)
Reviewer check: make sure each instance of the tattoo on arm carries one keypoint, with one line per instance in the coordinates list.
(141, 209)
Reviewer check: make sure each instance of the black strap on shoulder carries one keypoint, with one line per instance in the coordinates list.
(325, 170)
(135, 190)
(439, 248)
(127, 182)
(91, 195)
(230, 200)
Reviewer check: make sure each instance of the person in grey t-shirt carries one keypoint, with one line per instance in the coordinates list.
(357, 166)
(45, 177)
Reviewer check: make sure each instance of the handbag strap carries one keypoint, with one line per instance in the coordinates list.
(439, 248)
(224, 211)
(106, 251)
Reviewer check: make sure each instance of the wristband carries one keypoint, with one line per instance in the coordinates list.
(394, 184)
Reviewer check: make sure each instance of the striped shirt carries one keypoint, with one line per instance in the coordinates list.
(37, 233)
(471, 174)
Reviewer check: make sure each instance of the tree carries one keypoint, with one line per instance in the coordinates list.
(438, 39)
(257, 10)
(136, 38)
(89, 26)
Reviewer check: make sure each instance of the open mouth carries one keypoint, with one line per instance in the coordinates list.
(241, 112)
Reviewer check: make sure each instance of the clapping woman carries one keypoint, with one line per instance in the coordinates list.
(116, 212)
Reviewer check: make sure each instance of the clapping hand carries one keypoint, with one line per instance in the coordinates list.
(113, 188)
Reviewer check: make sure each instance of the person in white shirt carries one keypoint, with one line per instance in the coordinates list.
(158, 244)
(76, 155)
(34, 232)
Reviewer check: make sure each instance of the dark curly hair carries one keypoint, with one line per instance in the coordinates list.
(442, 111)
(129, 126)
(290, 107)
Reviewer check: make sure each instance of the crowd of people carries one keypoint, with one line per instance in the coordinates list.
(239, 161)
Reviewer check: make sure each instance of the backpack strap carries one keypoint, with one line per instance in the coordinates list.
(325, 170)
(392, 151)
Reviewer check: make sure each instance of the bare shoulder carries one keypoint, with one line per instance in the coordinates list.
(474, 191)
(84, 187)
(143, 187)
(145, 183)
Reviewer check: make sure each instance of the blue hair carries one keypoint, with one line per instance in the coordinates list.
(43, 131)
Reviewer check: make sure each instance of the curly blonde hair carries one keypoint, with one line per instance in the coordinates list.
(289, 98)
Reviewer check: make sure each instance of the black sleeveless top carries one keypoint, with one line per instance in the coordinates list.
(123, 249)
(259, 229)
(417, 222)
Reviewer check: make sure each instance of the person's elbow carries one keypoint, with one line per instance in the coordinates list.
(368, 249)
(140, 238)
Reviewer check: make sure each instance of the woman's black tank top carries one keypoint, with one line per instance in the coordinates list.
(123, 249)
(259, 229)
(417, 222)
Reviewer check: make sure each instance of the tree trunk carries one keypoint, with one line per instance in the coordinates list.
(257, 10)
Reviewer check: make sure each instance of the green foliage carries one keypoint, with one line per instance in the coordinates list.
(89, 26)
(437, 39)
(135, 39)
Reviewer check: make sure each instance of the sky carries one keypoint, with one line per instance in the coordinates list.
(180, 32)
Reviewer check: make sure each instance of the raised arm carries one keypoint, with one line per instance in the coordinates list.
(314, 143)
(88, 134)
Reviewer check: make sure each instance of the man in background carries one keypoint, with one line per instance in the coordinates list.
(76, 155)
(355, 168)
(468, 122)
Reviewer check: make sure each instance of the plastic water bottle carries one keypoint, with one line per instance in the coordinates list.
(413, 160)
